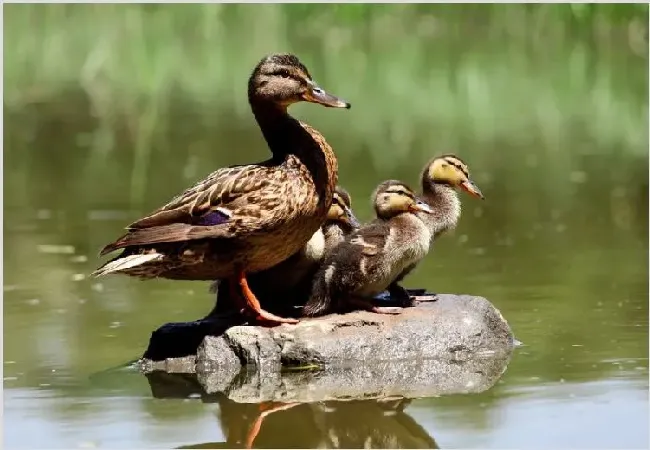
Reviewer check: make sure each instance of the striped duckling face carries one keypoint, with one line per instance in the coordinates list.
(341, 209)
(394, 197)
(451, 170)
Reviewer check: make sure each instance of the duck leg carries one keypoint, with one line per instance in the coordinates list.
(235, 299)
(400, 295)
(366, 304)
(253, 305)
(265, 409)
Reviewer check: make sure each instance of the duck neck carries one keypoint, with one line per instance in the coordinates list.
(288, 136)
(275, 122)
(445, 204)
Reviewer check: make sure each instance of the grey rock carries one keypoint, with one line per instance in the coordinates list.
(186, 364)
(255, 346)
(403, 379)
(453, 327)
(455, 344)
(220, 354)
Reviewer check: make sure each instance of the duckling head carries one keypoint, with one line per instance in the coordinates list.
(341, 209)
(452, 171)
(393, 197)
(281, 79)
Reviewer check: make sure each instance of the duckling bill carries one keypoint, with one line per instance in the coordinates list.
(247, 218)
(372, 258)
(440, 179)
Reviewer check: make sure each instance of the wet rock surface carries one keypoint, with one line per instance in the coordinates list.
(457, 343)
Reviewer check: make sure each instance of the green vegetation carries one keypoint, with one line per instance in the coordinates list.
(498, 73)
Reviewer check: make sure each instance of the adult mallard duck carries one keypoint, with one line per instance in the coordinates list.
(288, 284)
(371, 259)
(247, 218)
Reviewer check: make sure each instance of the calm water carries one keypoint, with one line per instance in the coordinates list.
(571, 278)
(562, 252)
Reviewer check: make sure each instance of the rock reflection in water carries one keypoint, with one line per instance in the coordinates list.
(376, 423)
(309, 415)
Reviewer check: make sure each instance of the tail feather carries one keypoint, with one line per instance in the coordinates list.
(122, 263)
(175, 232)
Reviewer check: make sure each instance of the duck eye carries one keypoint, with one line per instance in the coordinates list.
(282, 73)
(317, 90)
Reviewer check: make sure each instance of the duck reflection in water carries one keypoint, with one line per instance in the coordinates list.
(331, 424)
(373, 423)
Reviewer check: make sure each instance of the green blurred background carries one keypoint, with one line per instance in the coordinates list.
(109, 110)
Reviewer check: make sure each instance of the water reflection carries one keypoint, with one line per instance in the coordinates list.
(354, 424)
(380, 423)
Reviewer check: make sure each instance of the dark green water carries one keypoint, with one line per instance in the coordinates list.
(560, 246)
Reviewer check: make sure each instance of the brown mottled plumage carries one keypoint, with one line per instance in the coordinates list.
(247, 218)
(288, 284)
(371, 259)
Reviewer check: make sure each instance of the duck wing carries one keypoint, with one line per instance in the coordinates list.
(235, 200)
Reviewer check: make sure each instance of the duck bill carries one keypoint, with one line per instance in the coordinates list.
(472, 189)
(420, 206)
(318, 95)
(350, 219)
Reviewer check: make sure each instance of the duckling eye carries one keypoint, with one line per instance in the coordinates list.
(282, 73)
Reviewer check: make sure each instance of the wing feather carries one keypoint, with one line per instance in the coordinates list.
(371, 238)
(247, 197)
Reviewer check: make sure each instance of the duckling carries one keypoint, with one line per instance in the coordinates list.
(371, 259)
(440, 178)
(290, 281)
(340, 222)
(247, 218)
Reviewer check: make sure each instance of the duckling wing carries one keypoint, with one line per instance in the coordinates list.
(371, 238)
(236, 200)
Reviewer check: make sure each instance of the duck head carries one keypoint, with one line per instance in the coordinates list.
(281, 79)
(393, 197)
(341, 209)
(452, 171)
